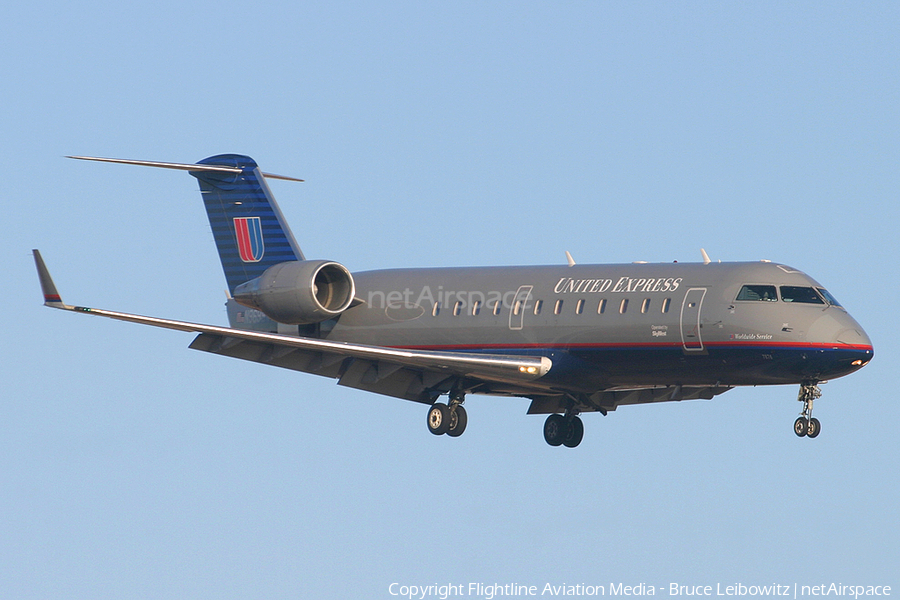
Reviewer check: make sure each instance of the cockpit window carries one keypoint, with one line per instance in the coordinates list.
(805, 295)
(828, 297)
(764, 293)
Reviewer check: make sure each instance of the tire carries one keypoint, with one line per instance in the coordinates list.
(813, 428)
(574, 432)
(555, 430)
(458, 422)
(439, 418)
(801, 426)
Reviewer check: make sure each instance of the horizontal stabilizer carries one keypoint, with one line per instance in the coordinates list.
(180, 166)
(250, 231)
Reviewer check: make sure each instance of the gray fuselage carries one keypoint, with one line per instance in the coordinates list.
(611, 326)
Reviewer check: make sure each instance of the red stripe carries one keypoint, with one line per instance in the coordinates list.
(243, 240)
(740, 344)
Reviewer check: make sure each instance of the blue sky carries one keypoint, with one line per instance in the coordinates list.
(435, 135)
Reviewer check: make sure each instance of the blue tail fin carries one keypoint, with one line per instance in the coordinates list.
(250, 232)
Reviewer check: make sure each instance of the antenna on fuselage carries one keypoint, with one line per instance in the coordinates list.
(706, 258)
(570, 259)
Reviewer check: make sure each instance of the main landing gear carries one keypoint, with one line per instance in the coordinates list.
(806, 424)
(563, 430)
(448, 418)
(559, 430)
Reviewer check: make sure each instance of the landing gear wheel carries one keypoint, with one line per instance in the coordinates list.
(806, 424)
(458, 420)
(574, 432)
(555, 430)
(813, 428)
(439, 418)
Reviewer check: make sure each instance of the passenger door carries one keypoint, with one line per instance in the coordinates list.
(519, 304)
(690, 320)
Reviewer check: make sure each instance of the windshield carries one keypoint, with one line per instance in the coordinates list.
(796, 293)
(756, 293)
(829, 298)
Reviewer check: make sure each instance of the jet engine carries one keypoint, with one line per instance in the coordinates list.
(299, 292)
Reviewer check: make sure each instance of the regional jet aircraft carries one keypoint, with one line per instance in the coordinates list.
(571, 338)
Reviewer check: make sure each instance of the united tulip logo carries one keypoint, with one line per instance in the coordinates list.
(249, 238)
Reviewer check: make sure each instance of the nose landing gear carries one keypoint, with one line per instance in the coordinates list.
(806, 424)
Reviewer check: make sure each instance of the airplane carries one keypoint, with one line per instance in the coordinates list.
(571, 338)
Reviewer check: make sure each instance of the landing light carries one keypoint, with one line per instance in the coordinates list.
(529, 370)
(857, 363)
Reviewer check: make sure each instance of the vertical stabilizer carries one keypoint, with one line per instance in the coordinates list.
(250, 232)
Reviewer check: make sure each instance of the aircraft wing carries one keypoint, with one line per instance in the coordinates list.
(411, 374)
(608, 400)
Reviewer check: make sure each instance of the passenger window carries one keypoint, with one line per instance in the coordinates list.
(623, 306)
(665, 306)
(763, 293)
(558, 308)
(601, 308)
(457, 308)
(517, 307)
(476, 308)
(496, 307)
(804, 295)
(579, 308)
(436, 309)
(645, 306)
(538, 306)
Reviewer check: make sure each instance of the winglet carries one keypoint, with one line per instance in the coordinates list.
(706, 259)
(51, 295)
(570, 259)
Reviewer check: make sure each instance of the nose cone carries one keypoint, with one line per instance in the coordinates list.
(854, 336)
(837, 327)
(848, 348)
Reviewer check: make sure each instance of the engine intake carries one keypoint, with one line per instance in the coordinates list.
(299, 292)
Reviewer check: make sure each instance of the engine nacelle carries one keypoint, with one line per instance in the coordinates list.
(299, 292)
